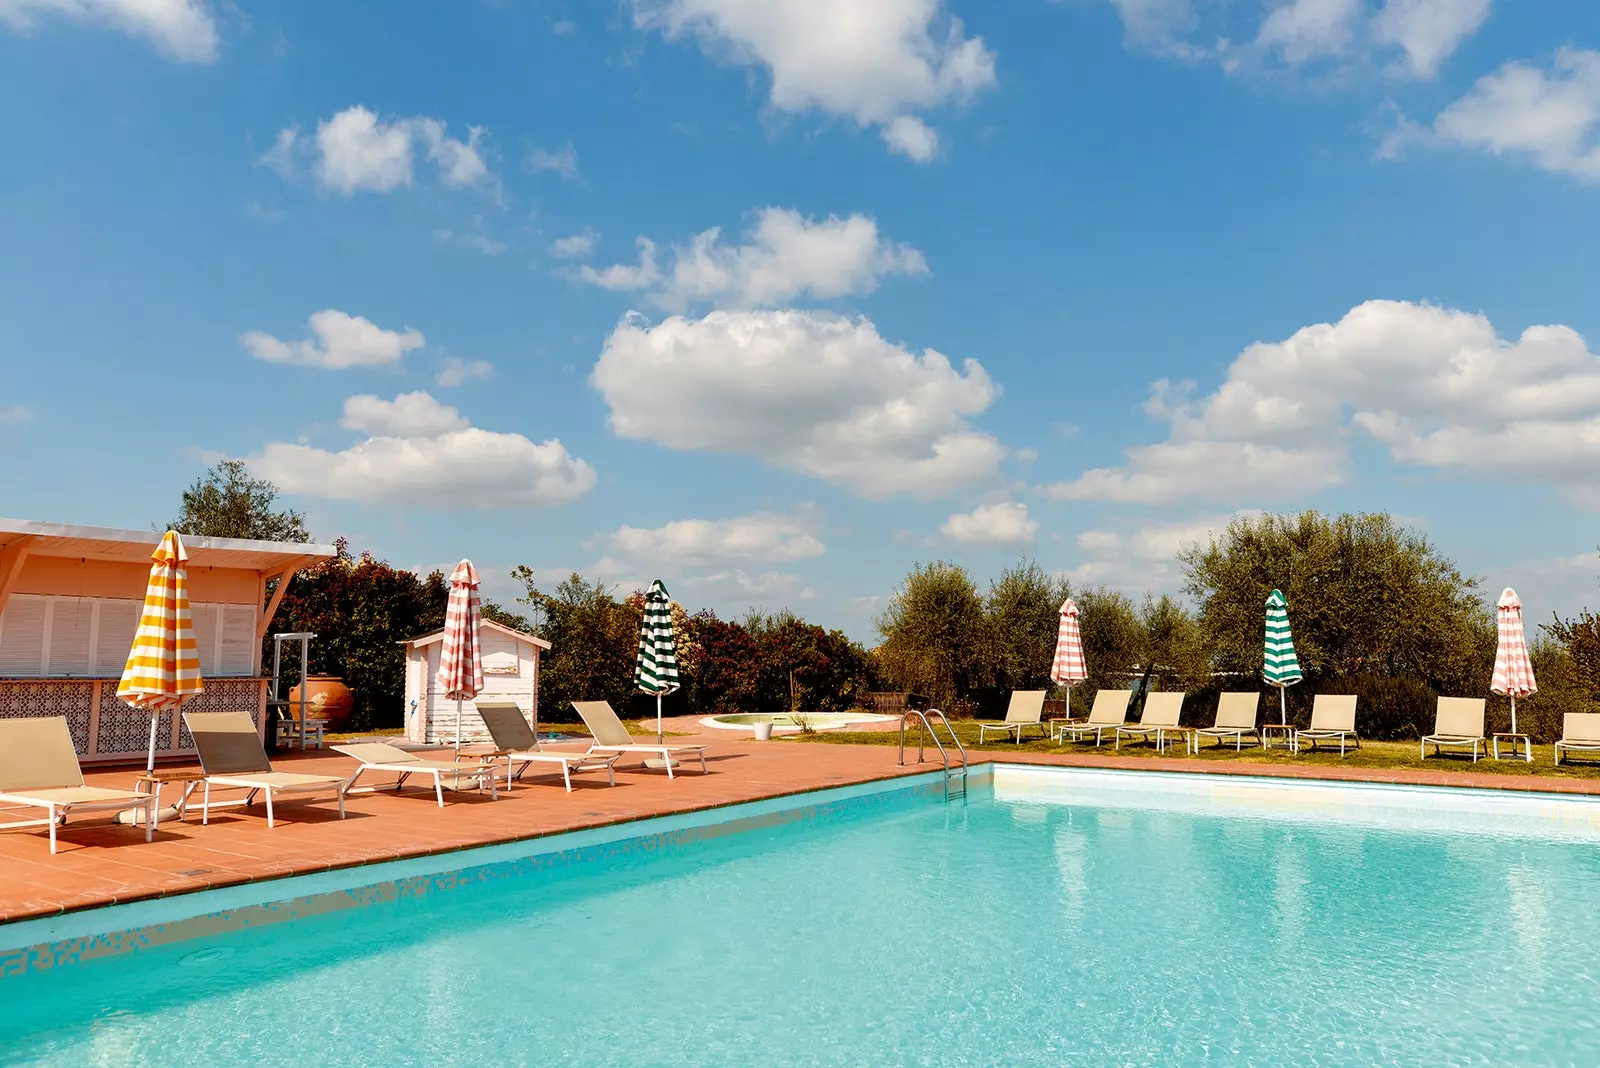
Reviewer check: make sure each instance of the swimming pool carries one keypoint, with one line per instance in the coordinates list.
(1057, 916)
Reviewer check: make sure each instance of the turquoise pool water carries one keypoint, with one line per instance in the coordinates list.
(1141, 920)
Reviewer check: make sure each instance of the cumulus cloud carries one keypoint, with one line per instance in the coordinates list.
(766, 587)
(562, 161)
(1145, 558)
(357, 151)
(182, 30)
(1438, 387)
(457, 371)
(1405, 38)
(809, 392)
(1549, 116)
(992, 524)
(785, 255)
(338, 342)
(424, 454)
(881, 64)
(762, 538)
(574, 246)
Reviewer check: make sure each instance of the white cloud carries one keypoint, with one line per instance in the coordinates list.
(408, 415)
(426, 455)
(457, 371)
(13, 413)
(878, 64)
(356, 150)
(762, 538)
(1436, 386)
(766, 587)
(182, 30)
(992, 524)
(810, 392)
(1550, 117)
(477, 241)
(574, 246)
(786, 255)
(340, 342)
(1145, 558)
(1406, 38)
(562, 161)
(1099, 541)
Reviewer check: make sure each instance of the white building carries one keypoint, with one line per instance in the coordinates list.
(510, 672)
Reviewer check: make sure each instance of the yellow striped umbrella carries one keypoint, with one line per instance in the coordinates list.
(163, 669)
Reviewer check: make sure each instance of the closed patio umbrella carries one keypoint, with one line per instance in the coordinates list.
(163, 668)
(1513, 671)
(656, 670)
(1279, 666)
(460, 674)
(1068, 666)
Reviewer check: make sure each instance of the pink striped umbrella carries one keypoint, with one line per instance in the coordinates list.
(1513, 671)
(461, 655)
(1069, 666)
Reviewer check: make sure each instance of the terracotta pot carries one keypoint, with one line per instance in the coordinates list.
(327, 698)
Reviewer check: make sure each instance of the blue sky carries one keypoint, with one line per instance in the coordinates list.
(772, 299)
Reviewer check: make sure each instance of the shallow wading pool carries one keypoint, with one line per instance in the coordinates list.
(1058, 916)
(783, 723)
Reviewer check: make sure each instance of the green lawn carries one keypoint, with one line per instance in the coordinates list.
(1370, 755)
(636, 727)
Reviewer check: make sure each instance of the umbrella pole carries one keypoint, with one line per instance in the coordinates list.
(150, 762)
(1513, 713)
(659, 735)
(458, 724)
(1283, 706)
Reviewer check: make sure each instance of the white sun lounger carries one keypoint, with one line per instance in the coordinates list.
(231, 754)
(1026, 710)
(1236, 717)
(611, 736)
(1579, 731)
(1457, 721)
(39, 769)
(1110, 711)
(516, 743)
(1159, 715)
(447, 774)
(1332, 716)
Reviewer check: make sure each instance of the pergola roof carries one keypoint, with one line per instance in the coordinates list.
(135, 546)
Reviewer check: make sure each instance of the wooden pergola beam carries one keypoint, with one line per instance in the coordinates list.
(283, 575)
(12, 558)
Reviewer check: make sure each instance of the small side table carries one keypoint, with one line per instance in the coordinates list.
(1521, 745)
(155, 780)
(1164, 736)
(1284, 731)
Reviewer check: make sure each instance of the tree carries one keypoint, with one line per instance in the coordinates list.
(799, 664)
(227, 503)
(1113, 641)
(1023, 609)
(934, 634)
(1170, 641)
(593, 641)
(1368, 600)
(726, 675)
(361, 611)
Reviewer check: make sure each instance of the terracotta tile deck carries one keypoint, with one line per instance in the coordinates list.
(101, 864)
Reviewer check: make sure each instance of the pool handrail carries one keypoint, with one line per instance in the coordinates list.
(944, 754)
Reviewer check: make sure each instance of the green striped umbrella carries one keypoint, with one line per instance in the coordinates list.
(1280, 667)
(656, 670)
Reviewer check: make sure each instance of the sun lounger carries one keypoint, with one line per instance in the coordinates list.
(39, 769)
(1159, 715)
(231, 755)
(611, 736)
(1457, 721)
(1332, 716)
(516, 743)
(1236, 717)
(1110, 711)
(1579, 731)
(447, 774)
(1025, 710)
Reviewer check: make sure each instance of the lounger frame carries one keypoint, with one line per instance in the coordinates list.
(603, 723)
(1109, 711)
(1332, 716)
(1580, 732)
(518, 744)
(1160, 714)
(482, 771)
(1025, 710)
(1237, 714)
(42, 771)
(1458, 722)
(249, 769)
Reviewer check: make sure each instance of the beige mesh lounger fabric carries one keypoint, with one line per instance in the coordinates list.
(1110, 711)
(1159, 715)
(1579, 731)
(39, 769)
(231, 755)
(611, 736)
(1458, 721)
(1236, 717)
(517, 743)
(1026, 710)
(447, 774)
(1332, 716)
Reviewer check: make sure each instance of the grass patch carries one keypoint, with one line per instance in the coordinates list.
(1370, 755)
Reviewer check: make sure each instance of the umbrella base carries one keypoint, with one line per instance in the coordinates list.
(661, 765)
(134, 817)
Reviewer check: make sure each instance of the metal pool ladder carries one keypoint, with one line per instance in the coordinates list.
(925, 727)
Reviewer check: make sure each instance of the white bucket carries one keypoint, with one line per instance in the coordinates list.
(763, 732)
